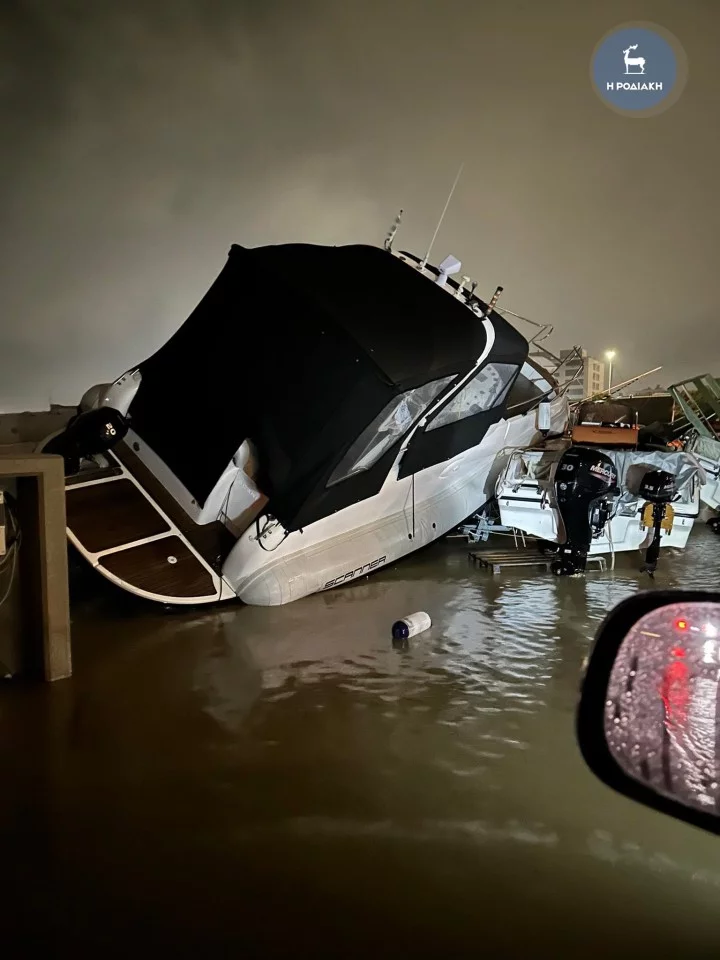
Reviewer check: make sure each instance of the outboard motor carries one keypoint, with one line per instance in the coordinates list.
(584, 482)
(658, 488)
(95, 431)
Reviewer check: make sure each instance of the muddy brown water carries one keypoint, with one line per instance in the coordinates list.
(272, 782)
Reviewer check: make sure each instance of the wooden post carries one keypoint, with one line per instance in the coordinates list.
(42, 562)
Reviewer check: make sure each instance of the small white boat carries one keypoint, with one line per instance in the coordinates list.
(527, 499)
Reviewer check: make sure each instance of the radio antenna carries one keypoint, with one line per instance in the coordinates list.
(393, 230)
(494, 299)
(442, 217)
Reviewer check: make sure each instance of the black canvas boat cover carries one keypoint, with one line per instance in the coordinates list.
(299, 347)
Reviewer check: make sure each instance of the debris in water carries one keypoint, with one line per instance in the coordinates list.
(410, 626)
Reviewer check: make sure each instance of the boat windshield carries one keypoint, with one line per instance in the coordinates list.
(530, 387)
(392, 423)
(487, 389)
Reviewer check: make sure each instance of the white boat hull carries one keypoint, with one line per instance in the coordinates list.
(710, 494)
(710, 490)
(620, 534)
(407, 514)
(525, 506)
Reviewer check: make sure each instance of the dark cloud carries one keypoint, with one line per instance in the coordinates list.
(140, 139)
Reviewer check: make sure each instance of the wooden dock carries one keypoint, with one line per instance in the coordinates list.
(35, 626)
(496, 560)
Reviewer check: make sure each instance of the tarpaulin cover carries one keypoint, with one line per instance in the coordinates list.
(299, 348)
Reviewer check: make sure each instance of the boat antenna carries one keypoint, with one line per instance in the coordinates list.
(442, 217)
(493, 300)
(393, 230)
(619, 386)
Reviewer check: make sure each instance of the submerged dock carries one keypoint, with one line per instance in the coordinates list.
(495, 560)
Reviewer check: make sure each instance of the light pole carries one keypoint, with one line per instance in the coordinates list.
(609, 356)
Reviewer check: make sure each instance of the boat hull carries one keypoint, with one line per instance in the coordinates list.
(269, 568)
(622, 533)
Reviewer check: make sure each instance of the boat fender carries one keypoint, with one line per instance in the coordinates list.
(544, 417)
(410, 626)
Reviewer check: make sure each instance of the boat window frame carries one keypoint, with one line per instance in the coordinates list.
(498, 398)
(361, 448)
(541, 381)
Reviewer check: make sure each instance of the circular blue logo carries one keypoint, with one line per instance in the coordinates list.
(638, 70)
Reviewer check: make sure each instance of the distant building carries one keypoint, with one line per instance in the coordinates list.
(586, 373)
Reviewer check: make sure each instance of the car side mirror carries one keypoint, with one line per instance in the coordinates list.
(648, 722)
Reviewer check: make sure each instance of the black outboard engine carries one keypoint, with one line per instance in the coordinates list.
(95, 431)
(584, 482)
(658, 488)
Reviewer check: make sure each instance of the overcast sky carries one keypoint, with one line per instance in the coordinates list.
(141, 138)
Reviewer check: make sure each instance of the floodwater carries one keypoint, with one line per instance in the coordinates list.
(266, 782)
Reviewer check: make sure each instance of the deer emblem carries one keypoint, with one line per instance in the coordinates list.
(633, 61)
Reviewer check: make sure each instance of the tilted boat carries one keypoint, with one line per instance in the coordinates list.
(323, 412)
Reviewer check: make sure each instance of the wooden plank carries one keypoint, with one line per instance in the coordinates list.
(42, 562)
(165, 568)
(606, 436)
(57, 657)
(495, 561)
(213, 541)
(108, 515)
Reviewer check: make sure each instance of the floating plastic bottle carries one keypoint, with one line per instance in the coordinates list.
(411, 626)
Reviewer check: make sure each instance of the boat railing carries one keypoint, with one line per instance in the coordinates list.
(699, 400)
(543, 332)
(618, 386)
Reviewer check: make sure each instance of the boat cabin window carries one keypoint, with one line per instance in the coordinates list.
(530, 387)
(392, 423)
(486, 390)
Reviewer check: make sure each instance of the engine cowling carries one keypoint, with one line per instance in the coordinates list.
(95, 431)
(585, 480)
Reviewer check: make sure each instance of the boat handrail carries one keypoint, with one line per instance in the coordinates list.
(695, 406)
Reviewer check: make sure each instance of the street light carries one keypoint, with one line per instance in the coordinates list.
(610, 356)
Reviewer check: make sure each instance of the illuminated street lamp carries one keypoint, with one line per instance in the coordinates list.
(610, 356)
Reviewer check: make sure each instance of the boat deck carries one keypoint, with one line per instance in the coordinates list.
(132, 530)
